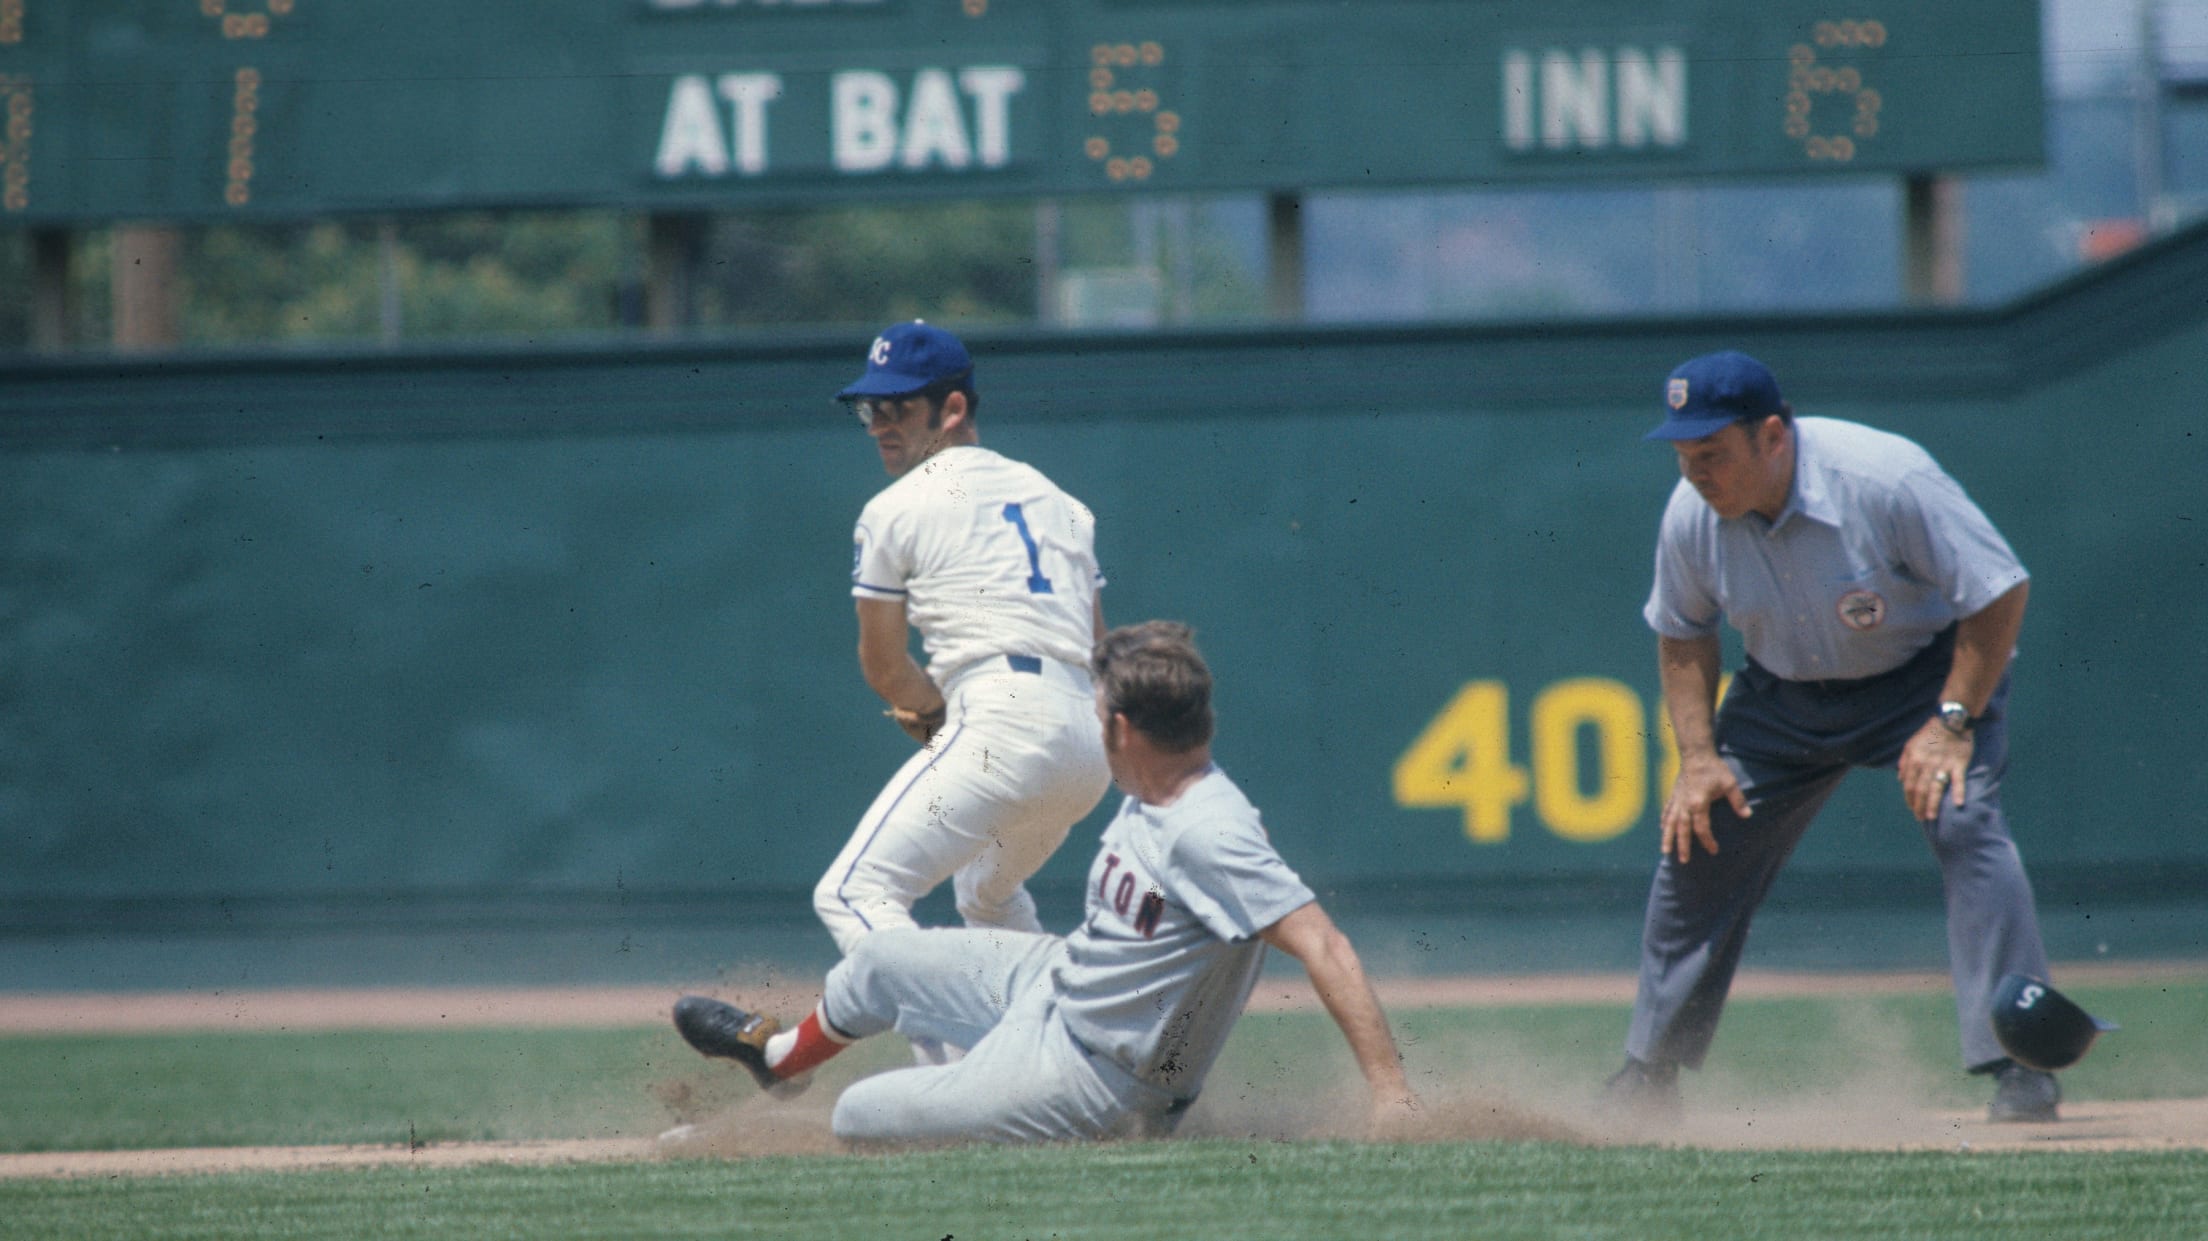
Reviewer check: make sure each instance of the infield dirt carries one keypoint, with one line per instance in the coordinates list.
(1884, 1113)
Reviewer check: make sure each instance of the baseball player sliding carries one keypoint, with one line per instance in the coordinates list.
(1109, 1031)
(996, 567)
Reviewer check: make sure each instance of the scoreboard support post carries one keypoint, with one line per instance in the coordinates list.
(1284, 248)
(53, 310)
(142, 278)
(674, 247)
(1932, 239)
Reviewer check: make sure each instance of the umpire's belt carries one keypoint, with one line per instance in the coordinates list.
(1934, 659)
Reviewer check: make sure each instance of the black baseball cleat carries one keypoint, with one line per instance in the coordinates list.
(2023, 1096)
(727, 1031)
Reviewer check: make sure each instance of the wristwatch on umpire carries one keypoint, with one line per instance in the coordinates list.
(1957, 718)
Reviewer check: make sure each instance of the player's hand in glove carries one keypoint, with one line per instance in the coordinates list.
(921, 726)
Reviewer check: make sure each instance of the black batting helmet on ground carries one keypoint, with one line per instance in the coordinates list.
(2040, 1027)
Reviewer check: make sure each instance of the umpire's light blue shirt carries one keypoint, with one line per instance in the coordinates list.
(1876, 552)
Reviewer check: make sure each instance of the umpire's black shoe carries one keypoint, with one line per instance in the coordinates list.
(1642, 1094)
(725, 1030)
(2023, 1096)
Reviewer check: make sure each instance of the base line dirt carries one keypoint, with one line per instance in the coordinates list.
(1857, 1119)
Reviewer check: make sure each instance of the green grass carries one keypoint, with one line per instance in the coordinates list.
(115, 1091)
(130, 1092)
(1212, 1189)
(381, 1086)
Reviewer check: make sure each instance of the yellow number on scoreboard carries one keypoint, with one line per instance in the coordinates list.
(1613, 713)
(1463, 759)
(1585, 793)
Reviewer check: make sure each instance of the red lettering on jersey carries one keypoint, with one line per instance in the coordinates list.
(1153, 908)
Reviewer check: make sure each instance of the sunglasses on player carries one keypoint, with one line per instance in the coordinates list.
(871, 409)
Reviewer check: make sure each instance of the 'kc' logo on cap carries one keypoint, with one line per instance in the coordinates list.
(908, 357)
(1675, 394)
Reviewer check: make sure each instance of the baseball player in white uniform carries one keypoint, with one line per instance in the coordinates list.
(1109, 1031)
(996, 567)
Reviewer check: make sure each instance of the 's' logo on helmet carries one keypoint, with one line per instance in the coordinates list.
(879, 354)
(1675, 394)
(1862, 609)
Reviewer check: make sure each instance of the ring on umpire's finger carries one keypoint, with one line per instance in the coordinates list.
(1939, 777)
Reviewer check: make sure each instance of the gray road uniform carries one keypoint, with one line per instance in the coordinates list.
(1107, 1032)
(1846, 606)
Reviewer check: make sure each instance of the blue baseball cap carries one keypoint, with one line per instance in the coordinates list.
(908, 357)
(1707, 394)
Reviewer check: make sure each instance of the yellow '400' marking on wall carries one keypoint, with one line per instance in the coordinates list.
(1462, 759)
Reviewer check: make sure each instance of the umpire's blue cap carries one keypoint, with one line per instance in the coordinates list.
(908, 357)
(1707, 394)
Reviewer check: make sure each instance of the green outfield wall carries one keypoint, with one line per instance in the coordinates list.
(574, 624)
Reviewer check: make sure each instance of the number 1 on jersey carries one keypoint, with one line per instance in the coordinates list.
(1037, 584)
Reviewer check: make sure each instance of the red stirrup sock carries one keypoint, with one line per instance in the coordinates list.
(810, 1045)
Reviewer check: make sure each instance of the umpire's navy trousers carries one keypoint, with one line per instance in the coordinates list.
(1790, 743)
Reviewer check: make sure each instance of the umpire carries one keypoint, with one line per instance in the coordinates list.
(1878, 608)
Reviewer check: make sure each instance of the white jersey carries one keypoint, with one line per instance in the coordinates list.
(988, 556)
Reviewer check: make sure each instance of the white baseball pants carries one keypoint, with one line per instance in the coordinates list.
(1019, 760)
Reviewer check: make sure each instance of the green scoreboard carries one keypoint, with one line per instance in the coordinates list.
(122, 109)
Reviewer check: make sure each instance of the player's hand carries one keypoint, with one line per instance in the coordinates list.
(921, 726)
(1934, 765)
(1393, 1115)
(1703, 779)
